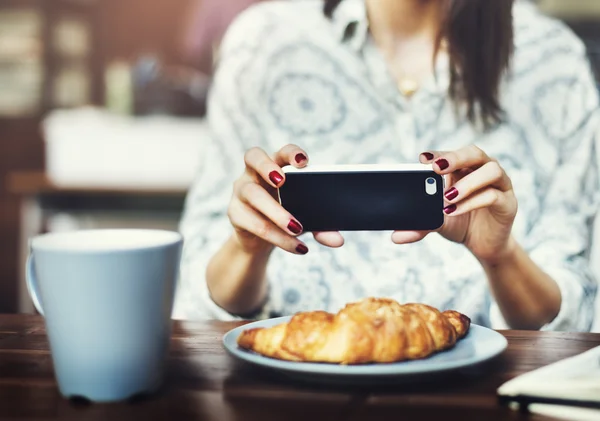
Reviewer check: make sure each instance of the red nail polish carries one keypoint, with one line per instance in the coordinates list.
(451, 194)
(295, 227)
(302, 249)
(449, 209)
(275, 177)
(442, 163)
(428, 156)
(300, 157)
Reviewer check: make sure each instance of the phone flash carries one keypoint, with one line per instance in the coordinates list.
(430, 186)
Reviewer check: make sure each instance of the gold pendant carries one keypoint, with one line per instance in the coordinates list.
(408, 87)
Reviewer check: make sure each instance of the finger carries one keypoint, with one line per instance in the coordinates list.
(407, 237)
(258, 162)
(291, 155)
(262, 201)
(428, 157)
(485, 198)
(467, 157)
(330, 238)
(489, 175)
(243, 217)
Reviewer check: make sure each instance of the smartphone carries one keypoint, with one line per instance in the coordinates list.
(364, 197)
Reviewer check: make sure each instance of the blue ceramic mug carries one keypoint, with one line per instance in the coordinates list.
(106, 297)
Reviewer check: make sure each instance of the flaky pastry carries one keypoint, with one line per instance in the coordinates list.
(373, 330)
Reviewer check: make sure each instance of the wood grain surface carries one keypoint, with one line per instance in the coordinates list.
(205, 383)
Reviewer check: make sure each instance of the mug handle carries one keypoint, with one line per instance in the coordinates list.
(32, 284)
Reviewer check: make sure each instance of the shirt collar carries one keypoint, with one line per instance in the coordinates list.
(351, 23)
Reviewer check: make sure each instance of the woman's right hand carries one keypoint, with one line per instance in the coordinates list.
(260, 222)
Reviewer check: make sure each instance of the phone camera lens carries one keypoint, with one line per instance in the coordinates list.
(430, 181)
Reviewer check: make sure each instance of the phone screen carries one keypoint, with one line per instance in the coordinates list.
(353, 201)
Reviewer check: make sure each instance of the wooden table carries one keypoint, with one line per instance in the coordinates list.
(41, 198)
(205, 383)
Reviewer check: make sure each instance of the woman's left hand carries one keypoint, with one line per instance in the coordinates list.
(480, 204)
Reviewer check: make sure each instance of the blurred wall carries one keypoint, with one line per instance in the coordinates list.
(129, 27)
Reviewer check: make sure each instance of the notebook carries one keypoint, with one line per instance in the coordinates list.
(568, 389)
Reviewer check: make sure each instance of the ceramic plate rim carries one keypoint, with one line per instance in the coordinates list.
(392, 369)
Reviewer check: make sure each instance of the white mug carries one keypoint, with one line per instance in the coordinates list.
(107, 297)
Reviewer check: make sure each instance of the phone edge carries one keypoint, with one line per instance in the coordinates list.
(357, 168)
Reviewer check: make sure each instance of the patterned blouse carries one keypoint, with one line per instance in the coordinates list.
(288, 74)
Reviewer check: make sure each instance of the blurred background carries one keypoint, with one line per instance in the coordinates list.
(102, 106)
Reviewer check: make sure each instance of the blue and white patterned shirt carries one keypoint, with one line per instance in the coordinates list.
(288, 74)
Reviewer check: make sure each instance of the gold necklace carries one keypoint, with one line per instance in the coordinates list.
(408, 86)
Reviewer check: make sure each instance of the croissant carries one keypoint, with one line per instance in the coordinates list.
(373, 330)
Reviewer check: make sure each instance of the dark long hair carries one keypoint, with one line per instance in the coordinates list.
(479, 34)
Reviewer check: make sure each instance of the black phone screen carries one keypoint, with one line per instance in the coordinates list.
(364, 201)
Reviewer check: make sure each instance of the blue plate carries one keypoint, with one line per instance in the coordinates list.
(480, 344)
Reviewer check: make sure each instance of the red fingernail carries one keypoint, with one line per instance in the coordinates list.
(275, 177)
(451, 194)
(428, 156)
(300, 157)
(442, 163)
(449, 209)
(302, 249)
(295, 227)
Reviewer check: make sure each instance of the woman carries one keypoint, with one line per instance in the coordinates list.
(493, 95)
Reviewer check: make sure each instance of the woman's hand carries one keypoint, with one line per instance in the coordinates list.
(260, 222)
(480, 203)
